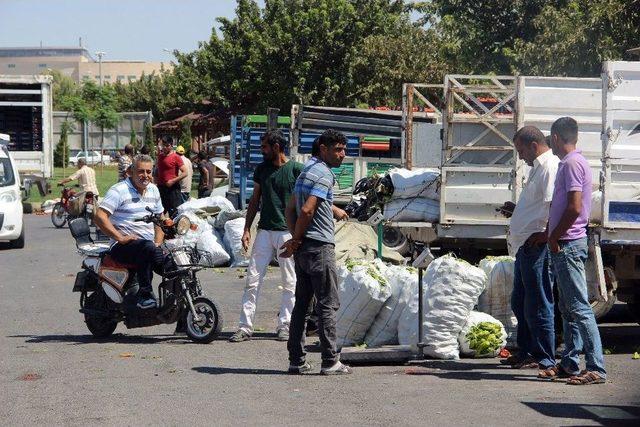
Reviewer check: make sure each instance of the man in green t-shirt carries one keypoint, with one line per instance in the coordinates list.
(274, 180)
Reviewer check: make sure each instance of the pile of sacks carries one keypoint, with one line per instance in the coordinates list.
(217, 229)
(379, 306)
(416, 195)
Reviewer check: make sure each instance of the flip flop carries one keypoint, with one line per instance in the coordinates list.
(586, 378)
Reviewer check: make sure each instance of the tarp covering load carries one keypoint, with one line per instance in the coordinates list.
(403, 283)
(412, 210)
(482, 336)
(362, 293)
(496, 298)
(359, 241)
(452, 288)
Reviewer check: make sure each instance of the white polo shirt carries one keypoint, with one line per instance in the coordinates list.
(531, 213)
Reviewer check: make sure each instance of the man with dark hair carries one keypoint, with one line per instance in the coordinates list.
(134, 242)
(124, 162)
(568, 221)
(274, 180)
(205, 167)
(532, 296)
(310, 215)
(171, 170)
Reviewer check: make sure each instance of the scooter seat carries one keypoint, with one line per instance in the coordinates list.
(108, 261)
(93, 249)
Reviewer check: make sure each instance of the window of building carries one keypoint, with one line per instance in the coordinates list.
(11, 65)
(42, 65)
(107, 77)
(86, 77)
(120, 78)
(132, 78)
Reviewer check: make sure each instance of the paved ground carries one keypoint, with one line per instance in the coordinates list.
(52, 372)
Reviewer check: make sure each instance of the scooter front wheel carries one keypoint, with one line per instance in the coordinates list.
(59, 215)
(209, 323)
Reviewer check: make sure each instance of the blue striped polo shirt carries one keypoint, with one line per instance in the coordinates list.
(316, 179)
(125, 205)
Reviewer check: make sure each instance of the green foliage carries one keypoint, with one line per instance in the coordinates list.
(148, 139)
(63, 88)
(61, 152)
(132, 138)
(185, 137)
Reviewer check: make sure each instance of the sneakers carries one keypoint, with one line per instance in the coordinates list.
(299, 370)
(337, 369)
(282, 335)
(146, 303)
(239, 336)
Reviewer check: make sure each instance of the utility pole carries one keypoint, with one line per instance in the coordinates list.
(100, 54)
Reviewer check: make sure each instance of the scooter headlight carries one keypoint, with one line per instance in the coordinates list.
(183, 225)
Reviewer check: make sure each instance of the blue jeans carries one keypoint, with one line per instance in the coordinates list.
(532, 304)
(579, 324)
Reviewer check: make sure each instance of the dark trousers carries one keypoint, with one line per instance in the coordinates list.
(315, 275)
(203, 192)
(145, 255)
(171, 198)
(532, 304)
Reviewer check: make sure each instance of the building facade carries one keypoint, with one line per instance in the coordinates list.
(75, 62)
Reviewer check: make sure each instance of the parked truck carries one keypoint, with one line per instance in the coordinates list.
(26, 116)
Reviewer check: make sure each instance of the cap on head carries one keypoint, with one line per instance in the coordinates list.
(180, 149)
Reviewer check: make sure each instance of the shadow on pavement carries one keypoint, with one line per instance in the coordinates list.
(603, 414)
(212, 370)
(89, 339)
(459, 370)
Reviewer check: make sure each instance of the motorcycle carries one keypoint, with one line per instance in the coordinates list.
(108, 289)
(73, 205)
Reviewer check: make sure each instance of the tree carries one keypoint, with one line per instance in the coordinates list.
(148, 138)
(185, 136)
(62, 88)
(133, 138)
(61, 153)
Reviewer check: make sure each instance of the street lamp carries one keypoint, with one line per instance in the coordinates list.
(100, 54)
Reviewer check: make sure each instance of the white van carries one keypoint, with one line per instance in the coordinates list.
(11, 224)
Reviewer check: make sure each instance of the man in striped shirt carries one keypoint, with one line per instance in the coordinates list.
(134, 242)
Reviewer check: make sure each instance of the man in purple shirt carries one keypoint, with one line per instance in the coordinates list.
(568, 220)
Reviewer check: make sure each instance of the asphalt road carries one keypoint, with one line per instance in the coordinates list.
(52, 372)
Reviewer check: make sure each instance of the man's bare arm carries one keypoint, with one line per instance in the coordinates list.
(101, 218)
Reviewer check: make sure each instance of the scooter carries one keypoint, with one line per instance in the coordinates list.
(108, 289)
(64, 210)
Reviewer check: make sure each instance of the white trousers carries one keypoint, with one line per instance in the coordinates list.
(266, 242)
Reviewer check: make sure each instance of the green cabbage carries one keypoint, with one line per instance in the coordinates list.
(485, 338)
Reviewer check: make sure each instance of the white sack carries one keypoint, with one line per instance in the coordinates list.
(233, 230)
(419, 209)
(596, 207)
(451, 290)
(496, 298)
(476, 317)
(204, 239)
(403, 284)
(417, 182)
(206, 202)
(361, 298)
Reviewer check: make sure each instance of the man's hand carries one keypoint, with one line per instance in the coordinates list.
(554, 247)
(340, 214)
(507, 209)
(126, 239)
(290, 247)
(537, 239)
(246, 239)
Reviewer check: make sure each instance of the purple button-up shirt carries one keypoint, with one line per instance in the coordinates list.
(574, 174)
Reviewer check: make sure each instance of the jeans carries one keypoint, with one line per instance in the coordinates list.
(579, 324)
(532, 304)
(265, 243)
(145, 255)
(316, 275)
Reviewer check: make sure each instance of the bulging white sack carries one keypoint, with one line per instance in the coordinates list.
(451, 290)
(206, 202)
(498, 340)
(361, 298)
(403, 283)
(417, 182)
(419, 209)
(204, 239)
(496, 297)
(233, 230)
(596, 207)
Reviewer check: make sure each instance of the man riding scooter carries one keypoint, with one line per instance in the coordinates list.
(134, 242)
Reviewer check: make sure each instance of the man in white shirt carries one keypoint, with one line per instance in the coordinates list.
(86, 177)
(532, 297)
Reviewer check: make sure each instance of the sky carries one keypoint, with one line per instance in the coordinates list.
(123, 29)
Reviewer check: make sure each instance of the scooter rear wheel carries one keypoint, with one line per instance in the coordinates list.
(99, 326)
(207, 328)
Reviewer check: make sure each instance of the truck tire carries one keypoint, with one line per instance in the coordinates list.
(601, 308)
(393, 238)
